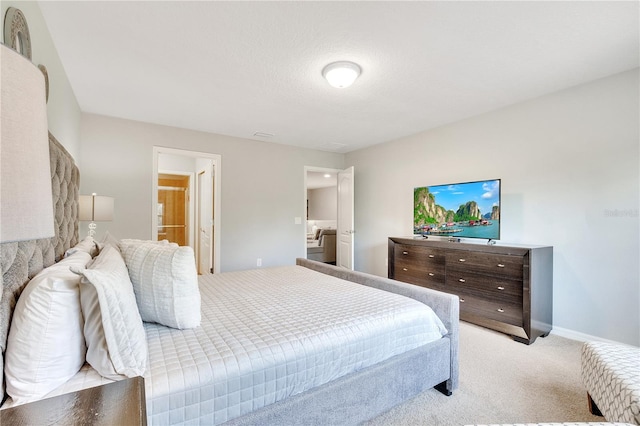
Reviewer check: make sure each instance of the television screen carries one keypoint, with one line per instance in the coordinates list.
(459, 210)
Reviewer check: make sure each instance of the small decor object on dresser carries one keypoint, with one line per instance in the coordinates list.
(505, 288)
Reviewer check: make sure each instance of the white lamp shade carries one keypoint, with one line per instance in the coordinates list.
(96, 208)
(341, 74)
(26, 206)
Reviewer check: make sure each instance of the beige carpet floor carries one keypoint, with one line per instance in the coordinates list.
(502, 381)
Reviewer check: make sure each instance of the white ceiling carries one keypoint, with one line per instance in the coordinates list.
(236, 68)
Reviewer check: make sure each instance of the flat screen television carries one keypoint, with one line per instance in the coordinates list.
(458, 210)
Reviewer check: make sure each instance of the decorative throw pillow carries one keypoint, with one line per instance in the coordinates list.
(131, 241)
(46, 345)
(116, 340)
(165, 282)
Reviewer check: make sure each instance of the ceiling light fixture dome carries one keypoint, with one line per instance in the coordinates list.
(341, 74)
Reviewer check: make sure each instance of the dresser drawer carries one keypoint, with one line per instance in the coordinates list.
(484, 286)
(420, 274)
(419, 255)
(508, 313)
(486, 263)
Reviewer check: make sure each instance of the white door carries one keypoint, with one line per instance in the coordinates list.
(204, 223)
(344, 255)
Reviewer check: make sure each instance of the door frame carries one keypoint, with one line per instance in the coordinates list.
(217, 207)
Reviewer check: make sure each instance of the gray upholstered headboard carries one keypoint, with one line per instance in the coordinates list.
(21, 261)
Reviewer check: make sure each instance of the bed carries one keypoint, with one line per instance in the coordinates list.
(260, 356)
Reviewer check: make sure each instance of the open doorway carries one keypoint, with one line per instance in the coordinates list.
(321, 215)
(186, 192)
(329, 206)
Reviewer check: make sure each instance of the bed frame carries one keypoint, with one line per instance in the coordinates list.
(348, 400)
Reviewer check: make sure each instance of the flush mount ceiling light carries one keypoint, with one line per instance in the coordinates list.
(341, 74)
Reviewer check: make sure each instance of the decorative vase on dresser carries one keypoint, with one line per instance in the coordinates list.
(505, 288)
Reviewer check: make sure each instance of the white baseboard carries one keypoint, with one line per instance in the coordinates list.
(581, 337)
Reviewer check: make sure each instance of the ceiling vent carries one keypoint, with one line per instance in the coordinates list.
(263, 134)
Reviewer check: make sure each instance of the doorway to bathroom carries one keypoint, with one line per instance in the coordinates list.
(187, 205)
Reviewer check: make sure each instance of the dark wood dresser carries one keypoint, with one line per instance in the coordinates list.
(505, 288)
(118, 403)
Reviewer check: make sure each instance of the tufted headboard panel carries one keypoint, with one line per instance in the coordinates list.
(21, 261)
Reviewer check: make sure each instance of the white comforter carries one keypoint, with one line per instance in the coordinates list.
(267, 334)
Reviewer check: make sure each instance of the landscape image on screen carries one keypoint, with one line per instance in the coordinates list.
(461, 210)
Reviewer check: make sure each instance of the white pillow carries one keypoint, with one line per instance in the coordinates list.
(116, 340)
(165, 282)
(108, 238)
(88, 245)
(46, 346)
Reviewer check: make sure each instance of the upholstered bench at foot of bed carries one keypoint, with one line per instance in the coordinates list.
(611, 375)
(559, 424)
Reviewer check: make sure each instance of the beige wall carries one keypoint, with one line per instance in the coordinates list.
(262, 186)
(323, 203)
(569, 167)
(63, 111)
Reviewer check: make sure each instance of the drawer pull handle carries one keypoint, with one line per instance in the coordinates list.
(462, 280)
(500, 288)
(501, 310)
(462, 260)
(405, 269)
(500, 265)
(431, 256)
(431, 274)
(461, 300)
(405, 253)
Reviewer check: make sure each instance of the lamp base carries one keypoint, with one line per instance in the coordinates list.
(92, 229)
